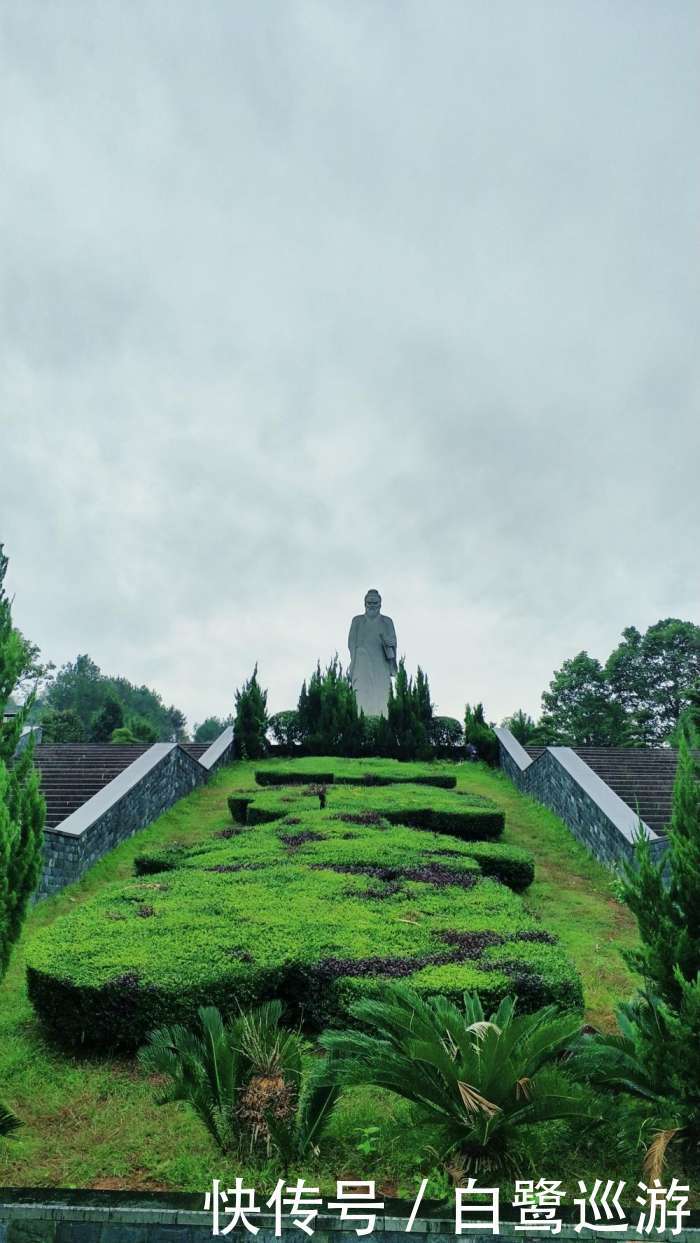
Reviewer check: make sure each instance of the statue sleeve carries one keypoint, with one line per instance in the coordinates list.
(390, 642)
(352, 640)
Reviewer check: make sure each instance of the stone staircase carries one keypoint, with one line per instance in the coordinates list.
(642, 777)
(72, 772)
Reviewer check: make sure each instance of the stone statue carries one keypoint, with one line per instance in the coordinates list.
(372, 643)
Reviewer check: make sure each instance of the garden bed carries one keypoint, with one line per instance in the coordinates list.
(93, 1121)
(311, 904)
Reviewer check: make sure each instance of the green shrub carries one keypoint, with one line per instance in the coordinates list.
(479, 734)
(446, 733)
(244, 1080)
(291, 776)
(136, 731)
(284, 727)
(61, 726)
(323, 770)
(439, 811)
(482, 1084)
(327, 714)
(238, 805)
(511, 865)
(310, 909)
(250, 721)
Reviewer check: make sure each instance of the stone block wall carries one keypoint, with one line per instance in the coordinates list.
(591, 810)
(128, 804)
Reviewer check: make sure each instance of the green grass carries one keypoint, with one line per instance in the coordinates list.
(93, 1122)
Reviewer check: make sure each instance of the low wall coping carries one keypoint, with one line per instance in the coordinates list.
(515, 750)
(617, 811)
(85, 816)
(217, 748)
(178, 1209)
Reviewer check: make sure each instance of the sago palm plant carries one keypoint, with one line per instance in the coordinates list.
(244, 1079)
(480, 1082)
(8, 1122)
(655, 1057)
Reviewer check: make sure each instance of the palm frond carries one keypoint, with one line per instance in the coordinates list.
(9, 1122)
(655, 1156)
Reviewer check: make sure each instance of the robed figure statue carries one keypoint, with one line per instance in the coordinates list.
(372, 643)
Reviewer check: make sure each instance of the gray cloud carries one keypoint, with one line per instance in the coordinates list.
(302, 298)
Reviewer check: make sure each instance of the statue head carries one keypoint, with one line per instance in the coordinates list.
(373, 603)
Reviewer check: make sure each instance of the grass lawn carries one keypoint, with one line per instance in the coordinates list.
(93, 1123)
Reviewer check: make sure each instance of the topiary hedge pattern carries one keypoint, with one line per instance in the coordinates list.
(331, 769)
(315, 907)
(440, 811)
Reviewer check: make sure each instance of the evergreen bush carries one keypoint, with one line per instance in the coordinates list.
(22, 806)
(284, 727)
(479, 734)
(250, 721)
(328, 719)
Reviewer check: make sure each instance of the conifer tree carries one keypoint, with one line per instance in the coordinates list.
(250, 722)
(665, 896)
(22, 807)
(327, 714)
(409, 716)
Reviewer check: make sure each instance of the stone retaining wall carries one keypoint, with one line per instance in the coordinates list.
(134, 799)
(562, 781)
(89, 1217)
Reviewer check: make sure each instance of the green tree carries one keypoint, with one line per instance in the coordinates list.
(136, 732)
(284, 727)
(522, 727)
(579, 709)
(665, 896)
(688, 723)
(109, 717)
(81, 687)
(328, 720)
(409, 717)
(446, 732)
(78, 687)
(22, 807)
(651, 676)
(210, 728)
(58, 727)
(250, 720)
(656, 1055)
(478, 733)
(178, 723)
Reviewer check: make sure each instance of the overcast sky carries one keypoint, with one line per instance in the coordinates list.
(304, 298)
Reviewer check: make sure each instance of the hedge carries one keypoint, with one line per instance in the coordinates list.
(438, 811)
(328, 770)
(313, 908)
(141, 955)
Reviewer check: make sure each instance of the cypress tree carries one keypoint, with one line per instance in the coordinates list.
(665, 896)
(22, 807)
(250, 723)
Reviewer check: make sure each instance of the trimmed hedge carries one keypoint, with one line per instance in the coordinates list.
(315, 906)
(291, 776)
(322, 840)
(438, 811)
(141, 955)
(328, 770)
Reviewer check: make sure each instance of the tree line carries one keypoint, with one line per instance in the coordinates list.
(642, 696)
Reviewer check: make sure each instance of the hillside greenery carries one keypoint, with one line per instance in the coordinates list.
(94, 1121)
